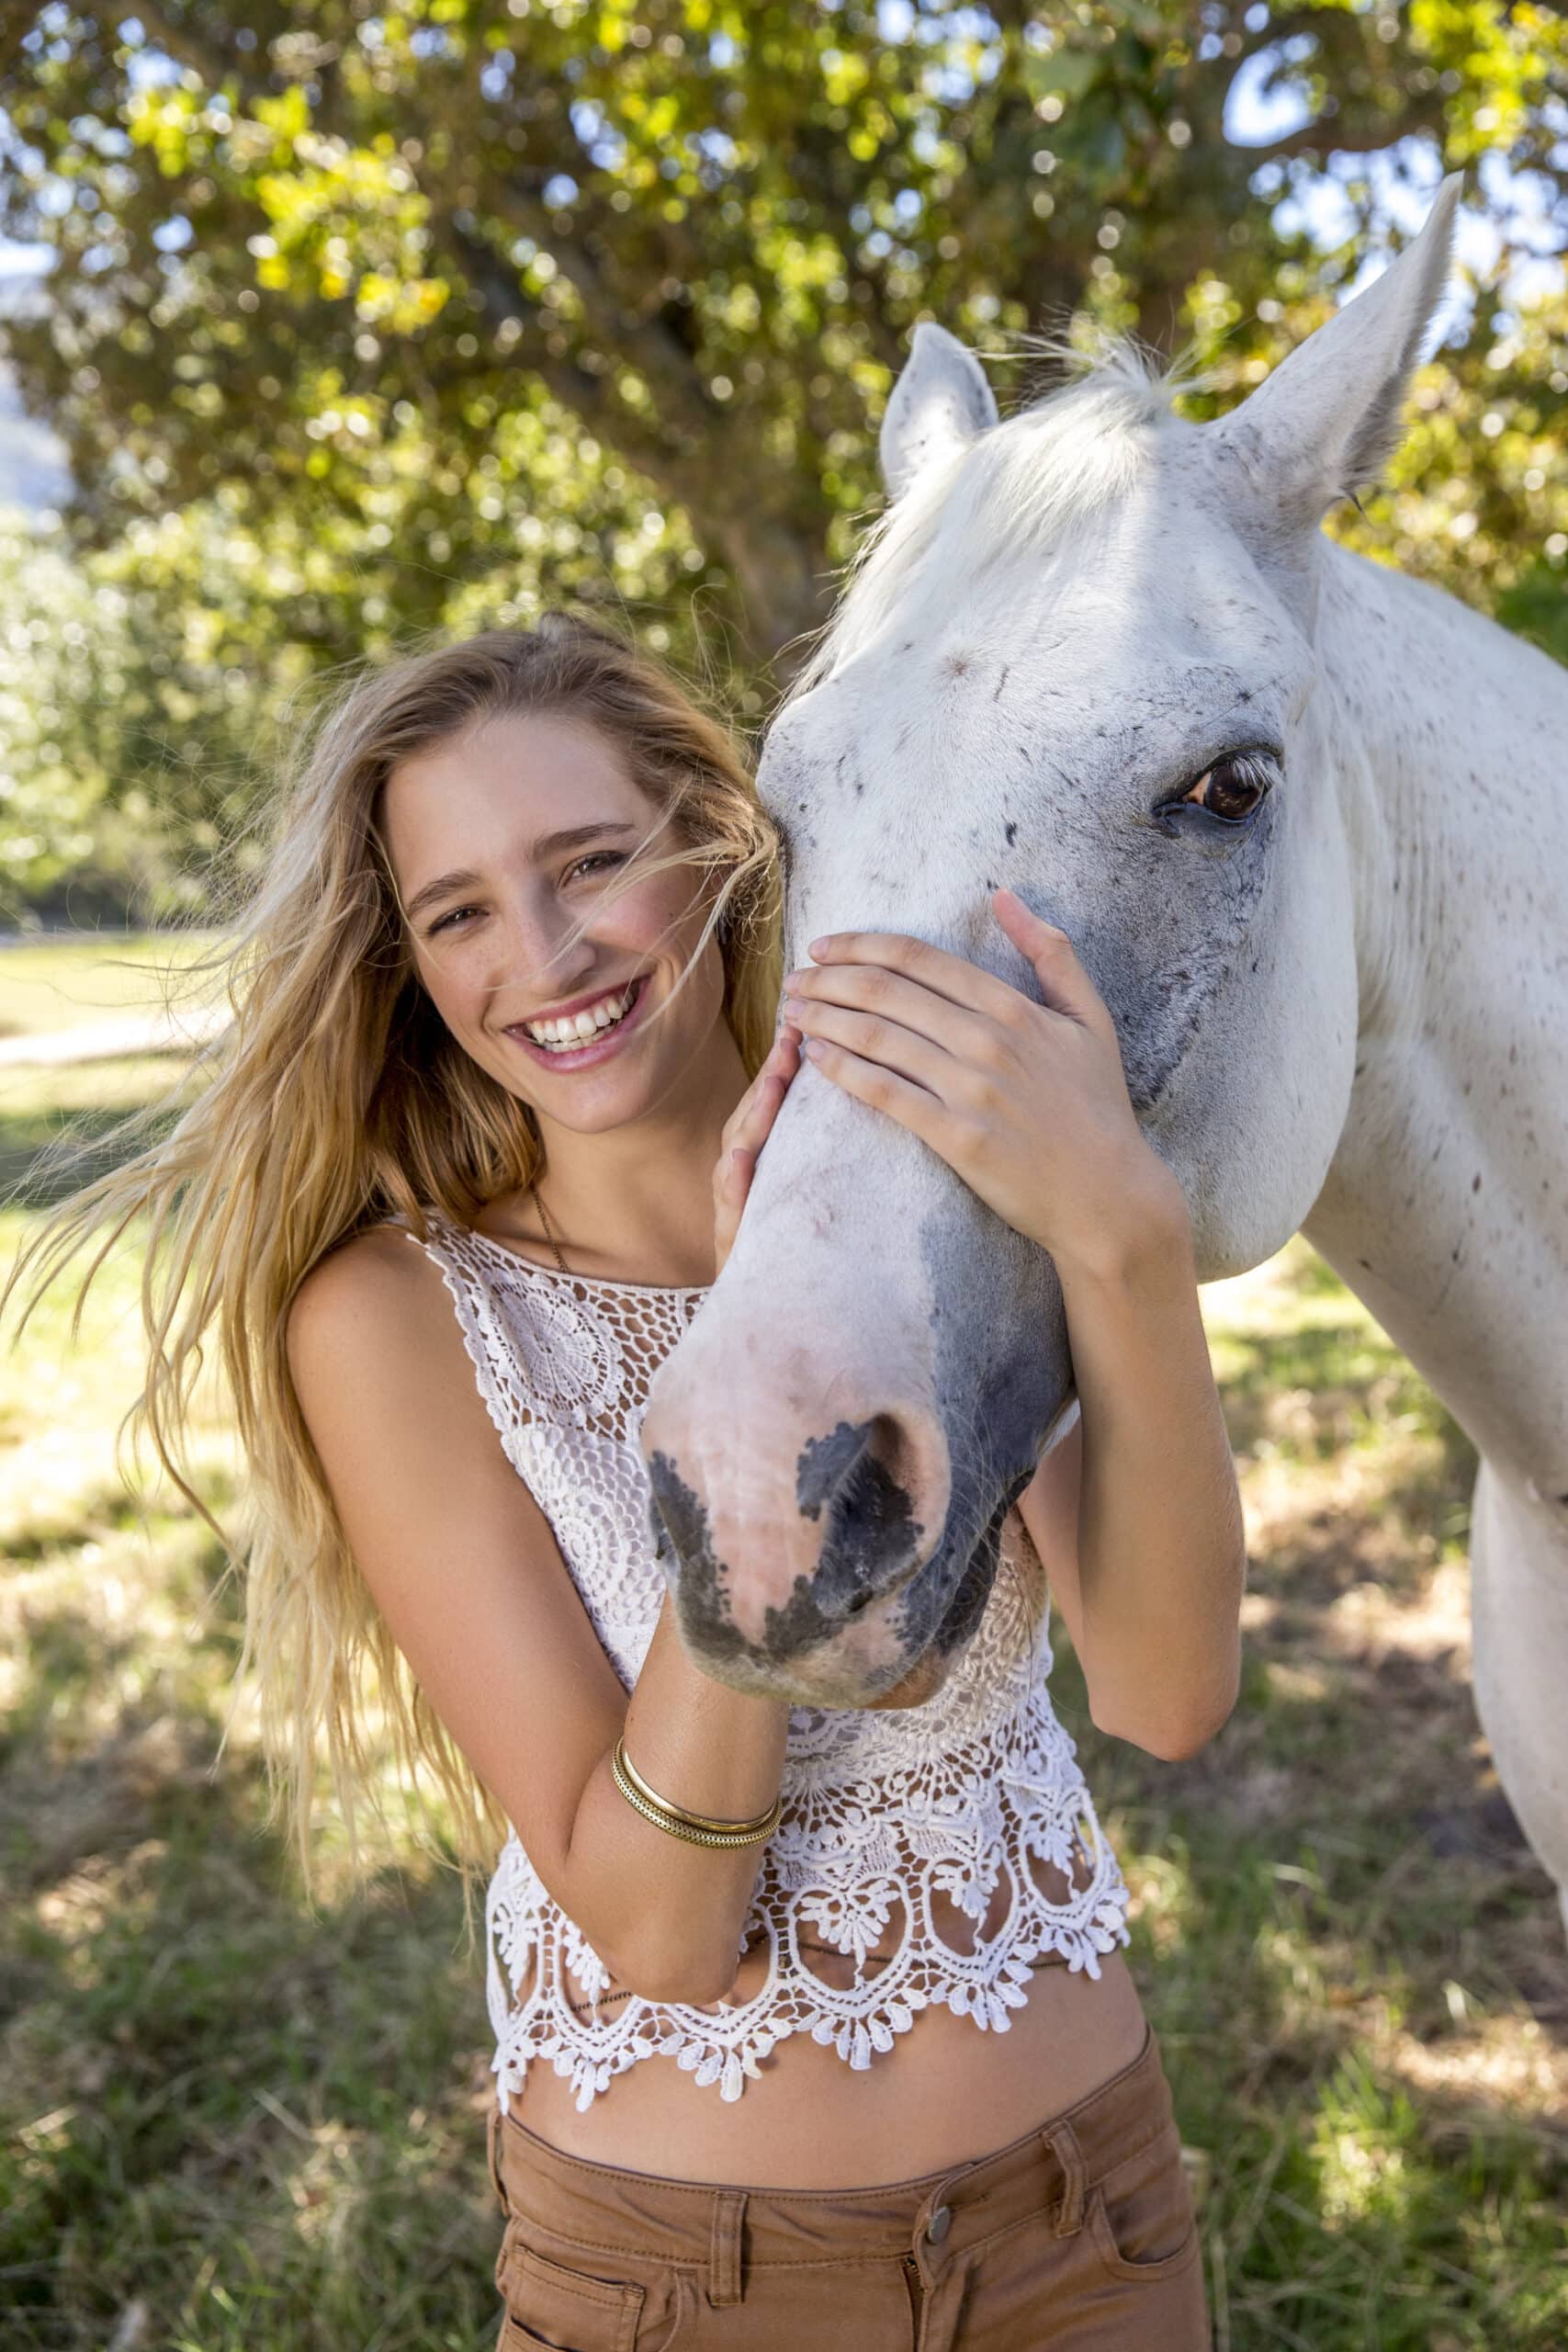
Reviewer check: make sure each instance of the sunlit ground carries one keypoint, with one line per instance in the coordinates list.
(55, 984)
(232, 2127)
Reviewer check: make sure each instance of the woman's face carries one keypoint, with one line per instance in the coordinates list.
(501, 839)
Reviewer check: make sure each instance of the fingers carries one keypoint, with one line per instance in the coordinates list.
(913, 1106)
(934, 968)
(872, 1038)
(906, 1007)
(1068, 987)
(783, 1060)
(735, 1172)
(888, 968)
(771, 1086)
(745, 1132)
(750, 1122)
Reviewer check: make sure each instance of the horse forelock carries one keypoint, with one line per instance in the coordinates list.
(1053, 463)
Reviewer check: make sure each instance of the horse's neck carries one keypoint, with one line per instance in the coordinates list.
(1446, 1208)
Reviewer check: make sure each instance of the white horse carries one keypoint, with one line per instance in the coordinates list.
(1304, 821)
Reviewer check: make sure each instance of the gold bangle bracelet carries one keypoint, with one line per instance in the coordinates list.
(696, 1829)
(634, 1787)
(674, 1828)
(684, 1813)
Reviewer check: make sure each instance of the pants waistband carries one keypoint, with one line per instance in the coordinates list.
(1053, 2165)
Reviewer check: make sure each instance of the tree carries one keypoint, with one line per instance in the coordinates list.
(296, 235)
(368, 319)
(59, 642)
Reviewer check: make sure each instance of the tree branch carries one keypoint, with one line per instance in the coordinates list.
(640, 338)
(588, 394)
(1328, 134)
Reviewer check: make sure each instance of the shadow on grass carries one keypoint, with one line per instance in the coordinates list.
(45, 1155)
(267, 2127)
(1355, 1967)
(1344, 1385)
(1393, 1469)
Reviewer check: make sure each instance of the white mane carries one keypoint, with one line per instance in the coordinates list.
(1051, 464)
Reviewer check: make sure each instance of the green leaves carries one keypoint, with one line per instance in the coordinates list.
(697, 237)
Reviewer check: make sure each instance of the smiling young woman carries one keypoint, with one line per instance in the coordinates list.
(811, 2026)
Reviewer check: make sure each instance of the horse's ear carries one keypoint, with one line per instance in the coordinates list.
(941, 400)
(1322, 425)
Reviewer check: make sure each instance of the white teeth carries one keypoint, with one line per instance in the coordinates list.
(576, 1028)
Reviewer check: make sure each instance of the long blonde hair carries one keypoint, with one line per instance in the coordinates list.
(336, 1098)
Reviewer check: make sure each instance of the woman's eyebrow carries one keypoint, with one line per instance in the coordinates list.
(430, 891)
(547, 845)
(552, 844)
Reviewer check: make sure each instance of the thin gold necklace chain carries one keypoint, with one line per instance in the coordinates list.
(549, 1230)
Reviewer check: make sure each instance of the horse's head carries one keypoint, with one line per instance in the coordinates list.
(1079, 660)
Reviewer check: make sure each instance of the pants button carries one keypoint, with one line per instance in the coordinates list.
(940, 2223)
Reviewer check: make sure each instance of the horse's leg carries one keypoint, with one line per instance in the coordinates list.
(1519, 1558)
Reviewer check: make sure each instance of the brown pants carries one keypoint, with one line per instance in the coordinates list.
(1078, 2235)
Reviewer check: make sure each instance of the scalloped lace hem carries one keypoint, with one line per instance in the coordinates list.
(723, 2047)
(728, 2059)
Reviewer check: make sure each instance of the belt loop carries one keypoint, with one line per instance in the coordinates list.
(1061, 2140)
(492, 2130)
(724, 2250)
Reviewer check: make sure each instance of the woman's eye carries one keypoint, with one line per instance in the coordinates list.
(1231, 788)
(451, 917)
(614, 857)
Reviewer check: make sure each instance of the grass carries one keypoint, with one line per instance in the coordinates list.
(62, 984)
(57, 1123)
(226, 2122)
(54, 984)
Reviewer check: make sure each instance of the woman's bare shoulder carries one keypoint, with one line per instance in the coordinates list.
(375, 1289)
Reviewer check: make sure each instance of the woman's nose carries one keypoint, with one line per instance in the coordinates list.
(537, 952)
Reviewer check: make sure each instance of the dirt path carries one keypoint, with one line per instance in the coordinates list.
(113, 1040)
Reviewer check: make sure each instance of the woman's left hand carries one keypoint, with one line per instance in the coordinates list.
(1027, 1102)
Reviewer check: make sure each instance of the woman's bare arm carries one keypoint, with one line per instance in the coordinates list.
(466, 1571)
(1135, 1514)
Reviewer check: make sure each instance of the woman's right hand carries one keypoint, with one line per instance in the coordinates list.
(745, 1132)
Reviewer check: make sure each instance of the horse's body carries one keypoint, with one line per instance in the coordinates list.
(1342, 1011)
(1446, 1205)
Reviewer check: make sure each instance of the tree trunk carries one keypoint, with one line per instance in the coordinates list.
(783, 585)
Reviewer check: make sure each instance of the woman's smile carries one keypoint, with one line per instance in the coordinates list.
(589, 1051)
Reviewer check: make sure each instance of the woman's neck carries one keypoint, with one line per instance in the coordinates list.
(635, 1203)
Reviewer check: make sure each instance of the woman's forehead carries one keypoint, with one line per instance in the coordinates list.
(511, 773)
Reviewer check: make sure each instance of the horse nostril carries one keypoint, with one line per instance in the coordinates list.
(850, 1480)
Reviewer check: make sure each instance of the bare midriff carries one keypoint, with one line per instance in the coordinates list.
(945, 2092)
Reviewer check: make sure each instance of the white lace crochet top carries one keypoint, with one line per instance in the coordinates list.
(913, 1815)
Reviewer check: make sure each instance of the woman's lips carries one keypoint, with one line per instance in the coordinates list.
(592, 1049)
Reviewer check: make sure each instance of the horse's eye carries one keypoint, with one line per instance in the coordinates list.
(1233, 788)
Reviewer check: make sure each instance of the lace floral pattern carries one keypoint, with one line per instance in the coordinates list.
(893, 1822)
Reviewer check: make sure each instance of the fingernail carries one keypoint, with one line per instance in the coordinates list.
(817, 947)
(815, 1047)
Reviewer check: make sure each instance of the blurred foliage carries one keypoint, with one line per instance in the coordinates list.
(366, 319)
(54, 635)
